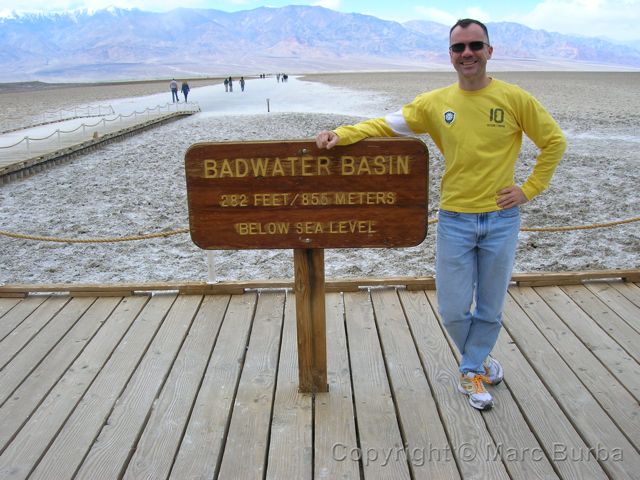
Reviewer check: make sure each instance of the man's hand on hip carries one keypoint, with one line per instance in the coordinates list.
(511, 197)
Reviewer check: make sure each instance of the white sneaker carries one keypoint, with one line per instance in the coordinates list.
(471, 385)
(493, 370)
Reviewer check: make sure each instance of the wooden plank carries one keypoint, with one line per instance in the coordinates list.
(203, 287)
(588, 417)
(76, 433)
(423, 432)
(547, 420)
(245, 454)
(569, 278)
(469, 438)
(23, 333)
(156, 449)
(333, 285)
(108, 456)
(356, 284)
(607, 319)
(227, 287)
(335, 427)
(36, 386)
(94, 287)
(32, 354)
(310, 319)
(213, 289)
(128, 288)
(102, 293)
(543, 282)
(291, 442)
(42, 427)
(21, 311)
(516, 446)
(617, 302)
(616, 360)
(630, 290)
(6, 304)
(335, 289)
(425, 285)
(381, 444)
(612, 396)
(203, 443)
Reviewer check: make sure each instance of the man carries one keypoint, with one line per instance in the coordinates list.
(173, 85)
(477, 124)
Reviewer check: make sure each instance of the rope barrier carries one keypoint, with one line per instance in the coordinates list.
(57, 116)
(94, 240)
(89, 109)
(580, 227)
(192, 108)
(186, 230)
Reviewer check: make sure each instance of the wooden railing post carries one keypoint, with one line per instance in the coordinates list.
(310, 318)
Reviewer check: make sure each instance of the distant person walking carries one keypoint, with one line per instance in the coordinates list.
(173, 85)
(242, 83)
(185, 90)
(226, 84)
(230, 84)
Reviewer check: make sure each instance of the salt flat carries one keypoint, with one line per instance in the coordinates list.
(137, 185)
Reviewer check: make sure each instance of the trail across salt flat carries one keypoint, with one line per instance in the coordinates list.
(262, 95)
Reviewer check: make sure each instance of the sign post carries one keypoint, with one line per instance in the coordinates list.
(264, 195)
(308, 264)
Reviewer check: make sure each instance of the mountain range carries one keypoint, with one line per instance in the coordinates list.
(131, 44)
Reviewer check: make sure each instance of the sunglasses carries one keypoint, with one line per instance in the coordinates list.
(473, 46)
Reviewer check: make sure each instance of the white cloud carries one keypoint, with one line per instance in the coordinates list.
(616, 19)
(477, 13)
(449, 18)
(331, 4)
(70, 5)
(436, 15)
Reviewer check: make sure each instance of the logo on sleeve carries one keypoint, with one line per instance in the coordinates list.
(449, 117)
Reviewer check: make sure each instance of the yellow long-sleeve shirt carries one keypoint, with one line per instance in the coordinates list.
(480, 134)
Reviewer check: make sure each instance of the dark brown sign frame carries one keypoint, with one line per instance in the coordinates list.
(290, 194)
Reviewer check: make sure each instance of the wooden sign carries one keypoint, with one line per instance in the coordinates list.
(272, 194)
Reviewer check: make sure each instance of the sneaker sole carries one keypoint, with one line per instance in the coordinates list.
(477, 406)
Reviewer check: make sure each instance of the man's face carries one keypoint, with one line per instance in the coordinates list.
(470, 64)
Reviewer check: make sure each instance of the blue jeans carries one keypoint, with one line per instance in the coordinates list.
(475, 253)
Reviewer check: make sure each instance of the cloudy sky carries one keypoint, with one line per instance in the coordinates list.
(614, 19)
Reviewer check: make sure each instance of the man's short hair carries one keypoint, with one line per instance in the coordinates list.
(465, 22)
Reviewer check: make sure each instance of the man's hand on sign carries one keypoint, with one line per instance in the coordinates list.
(327, 139)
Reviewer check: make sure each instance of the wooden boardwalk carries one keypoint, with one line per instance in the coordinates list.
(205, 386)
(21, 161)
